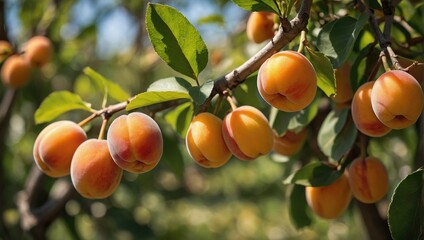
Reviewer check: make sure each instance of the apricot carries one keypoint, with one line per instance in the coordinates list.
(39, 51)
(5, 50)
(363, 115)
(247, 133)
(260, 26)
(290, 142)
(397, 99)
(15, 71)
(55, 146)
(205, 142)
(344, 91)
(94, 174)
(330, 201)
(287, 81)
(368, 179)
(135, 142)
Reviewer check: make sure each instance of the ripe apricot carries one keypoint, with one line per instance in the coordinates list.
(247, 133)
(330, 201)
(205, 142)
(15, 71)
(39, 51)
(363, 115)
(5, 50)
(94, 174)
(135, 142)
(343, 88)
(287, 81)
(368, 179)
(55, 146)
(397, 99)
(260, 26)
(290, 142)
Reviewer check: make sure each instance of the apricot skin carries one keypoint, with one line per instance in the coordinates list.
(55, 146)
(260, 26)
(135, 142)
(330, 201)
(290, 142)
(15, 71)
(287, 81)
(38, 51)
(368, 179)
(343, 88)
(397, 99)
(94, 174)
(205, 142)
(247, 133)
(363, 115)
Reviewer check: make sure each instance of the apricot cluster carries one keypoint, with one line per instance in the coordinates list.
(393, 101)
(287, 81)
(244, 133)
(134, 143)
(16, 68)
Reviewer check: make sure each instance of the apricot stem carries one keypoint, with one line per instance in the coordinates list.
(103, 128)
(302, 41)
(88, 119)
(231, 102)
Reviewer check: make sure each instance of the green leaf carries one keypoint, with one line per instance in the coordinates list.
(257, 5)
(298, 207)
(200, 93)
(175, 40)
(416, 20)
(112, 89)
(180, 118)
(283, 121)
(363, 65)
(406, 210)
(336, 39)
(214, 18)
(337, 134)
(172, 84)
(149, 98)
(172, 158)
(247, 93)
(57, 103)
(315, 174)
(324, 70)
(374, 4)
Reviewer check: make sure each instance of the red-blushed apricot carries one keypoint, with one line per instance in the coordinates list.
(135, 142)
(290, 142)
(344, 91)
(39, 51)
(15, 71)
(205, 142)
(247, 133)
(260, 26)
(330, 201)
(5, 50)
(363, 115)
(55, 146)
(287, 81)
(397, 99)
(94, 174)
(368, 179)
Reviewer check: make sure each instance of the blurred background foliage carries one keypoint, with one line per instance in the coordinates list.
(178, 199)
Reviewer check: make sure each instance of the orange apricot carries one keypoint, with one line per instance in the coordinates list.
(247, 133)
(344, 91)
(39, 51)
(94, 174)
(330, 201)
(205, 142)
(287, 81)
(15, 71)
(397, 99)
(55, 146)
(368, 179)
(260, 26)
(363, 115)
(135, 142)
(290, 142)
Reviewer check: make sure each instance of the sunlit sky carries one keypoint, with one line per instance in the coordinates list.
(117, 29)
